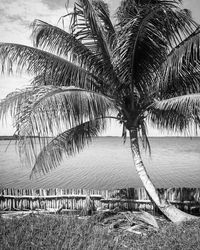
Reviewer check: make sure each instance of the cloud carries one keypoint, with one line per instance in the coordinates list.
(53, 5)
(16, 17)
(28, 10)
(113, 5)
(194, 6)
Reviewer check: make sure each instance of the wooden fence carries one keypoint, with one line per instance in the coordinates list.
(187, 199)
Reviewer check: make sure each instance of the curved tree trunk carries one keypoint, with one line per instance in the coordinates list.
(170, 211)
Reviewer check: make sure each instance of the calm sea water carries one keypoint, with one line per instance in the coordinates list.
(107, 164)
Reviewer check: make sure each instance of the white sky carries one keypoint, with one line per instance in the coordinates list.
(15, 19)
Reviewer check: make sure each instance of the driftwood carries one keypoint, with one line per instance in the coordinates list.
(20, 214)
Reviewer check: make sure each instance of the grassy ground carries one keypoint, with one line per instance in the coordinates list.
(56, 232)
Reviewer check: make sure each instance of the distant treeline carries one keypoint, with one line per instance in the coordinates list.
(13, 137)
(8, 137)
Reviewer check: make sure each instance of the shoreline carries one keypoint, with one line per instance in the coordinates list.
(14, 138)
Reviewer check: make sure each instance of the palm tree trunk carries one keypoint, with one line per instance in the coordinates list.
(170, 211)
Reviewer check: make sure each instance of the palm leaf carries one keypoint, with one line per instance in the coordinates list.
(103, 13)
(186, 104)
(141, 48)
(144, 137)
(97, 84)
(69, 143)
(173, 21)
(51, 109)
(181, 69)
(86, 21)
(170, 121)
(178, 114)
(149, 31)
(35, 61)
(187, 82)
(60, 42)
(11, 104)
(86, 25)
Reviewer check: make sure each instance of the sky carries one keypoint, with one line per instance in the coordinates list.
(16, 17)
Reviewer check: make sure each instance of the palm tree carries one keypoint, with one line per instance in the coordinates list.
(142, 69)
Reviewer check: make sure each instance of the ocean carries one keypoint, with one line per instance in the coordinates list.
(107, 164)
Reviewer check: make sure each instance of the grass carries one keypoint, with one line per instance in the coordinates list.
(52, 232)
(59, 232)
(185, 236)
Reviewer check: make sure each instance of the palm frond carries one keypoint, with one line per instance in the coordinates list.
(98, 84)
(103, 13)
(187, 82)
(178, 114)
(11, 104)
(124, 133)
(178, 24)
(186, 104)
(35, 61)
(69, 143)
(170, 120)
(86, 25)
(141, 46)
(144, 137)
(174, 24)
(86, 21)
(152, 27)
(62, 43)
(181, 69)
(51, 109)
